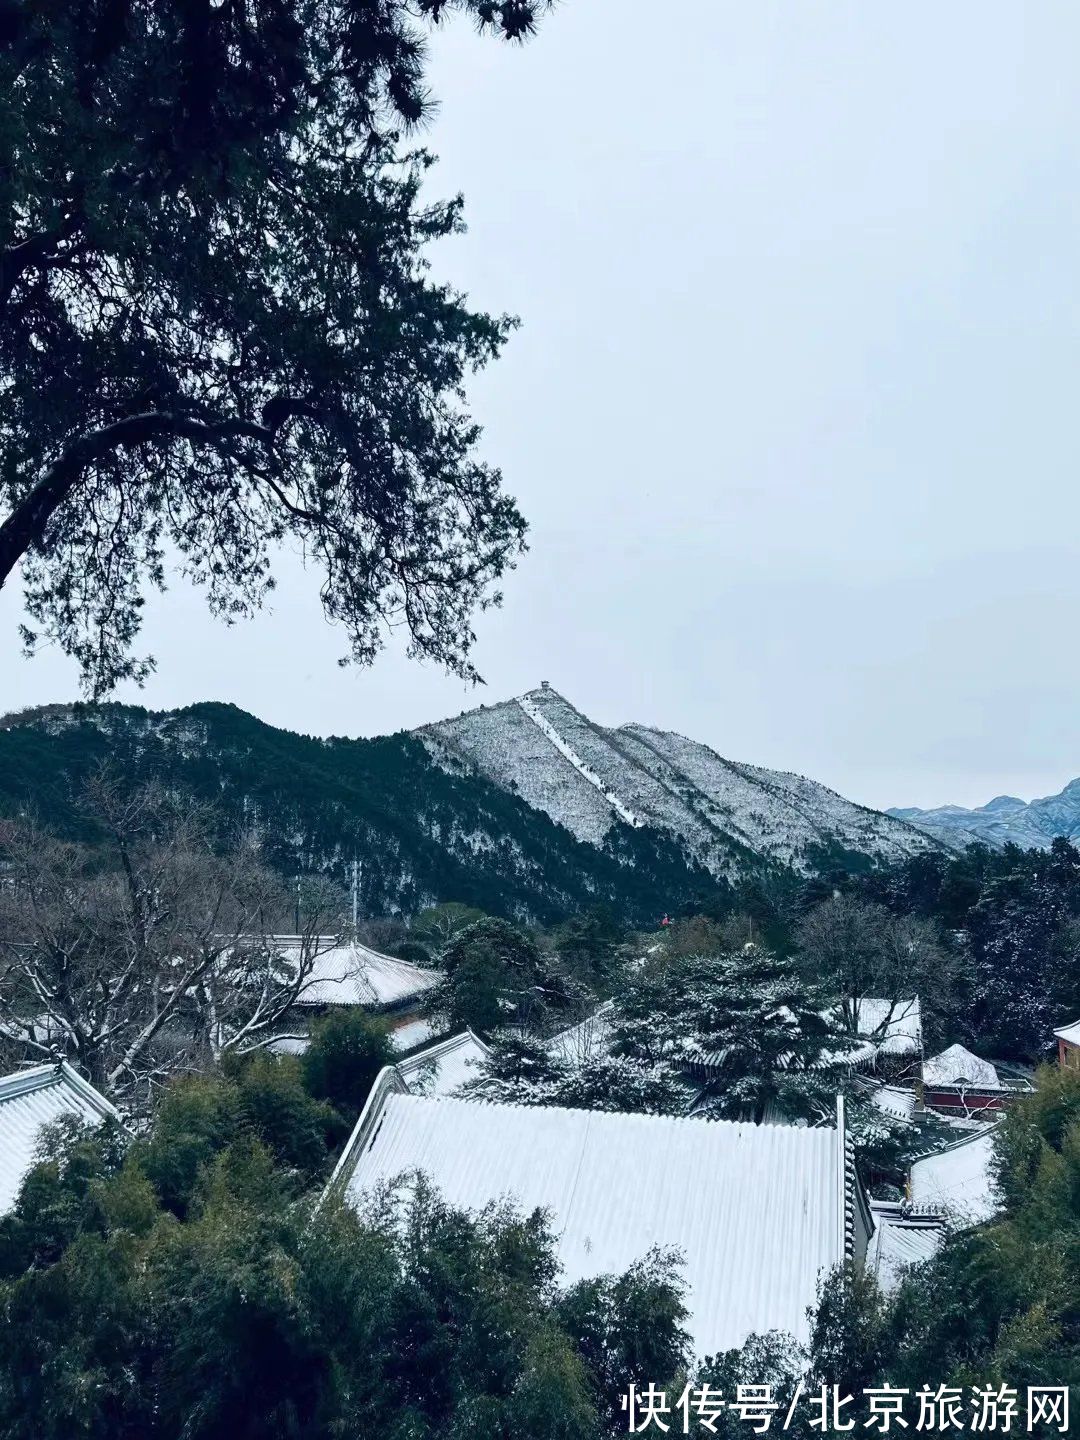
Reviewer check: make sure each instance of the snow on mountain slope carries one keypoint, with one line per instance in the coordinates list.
(548, 730)
(590, 778)
(1003, 820)
(508, 748)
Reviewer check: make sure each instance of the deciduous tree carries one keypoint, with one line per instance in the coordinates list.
(149, 953)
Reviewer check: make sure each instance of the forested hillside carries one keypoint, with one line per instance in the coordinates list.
(421, 833)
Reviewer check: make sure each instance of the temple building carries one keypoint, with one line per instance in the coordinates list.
(759, 1212)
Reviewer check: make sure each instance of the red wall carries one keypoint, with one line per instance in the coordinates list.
(970, 1099)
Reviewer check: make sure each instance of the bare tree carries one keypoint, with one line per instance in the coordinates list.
(858, 950)
(701, 935)
(253, 985)
(147, 953)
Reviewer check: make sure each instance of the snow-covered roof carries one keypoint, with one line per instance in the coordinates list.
(585, 1040)
(289, 1044)
(900, 1241)
(894, 1101)
(30, 1100)
(412, 1033)
(758, 1211)
(442, 1068)
(957, 1066)
(958, 1180)
(351, 974)
(1069, 1033)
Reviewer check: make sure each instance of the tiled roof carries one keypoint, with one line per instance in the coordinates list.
(442, 1068)
(351, 974)
(586, 1040)
(758, 1211)
(958, 1181)
(410, 1034)
(900, 1241)
(30, 1100)
(957, 1066)
(894, 1101)
(1069, 1033)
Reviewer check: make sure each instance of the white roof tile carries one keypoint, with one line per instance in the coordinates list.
(899, 1242)
(956, 1066)
(757, 1211)
(351, 974)
(413, 1032)
(894, 1101)
(444, 1067)
(1069, 1033)
(958, 1180)
(30, 1100)
(586, 1040)
(289, 1045)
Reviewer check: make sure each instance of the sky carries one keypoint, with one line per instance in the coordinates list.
(793, 409)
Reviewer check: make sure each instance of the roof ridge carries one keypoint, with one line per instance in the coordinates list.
(35, 1077)
(749, 1125)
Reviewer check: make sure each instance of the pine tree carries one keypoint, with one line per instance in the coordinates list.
(217, 330)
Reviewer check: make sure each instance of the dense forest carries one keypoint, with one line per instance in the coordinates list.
(421, 833)
(1010, 919)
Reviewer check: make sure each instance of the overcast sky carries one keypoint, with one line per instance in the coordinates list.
(794, 408)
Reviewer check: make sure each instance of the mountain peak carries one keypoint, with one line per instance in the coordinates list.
(593, 780)
(544, 691)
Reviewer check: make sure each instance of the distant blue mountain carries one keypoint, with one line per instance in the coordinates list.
(1033, 825)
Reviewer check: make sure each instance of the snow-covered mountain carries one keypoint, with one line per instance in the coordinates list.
(589, 778)
(1032, 825)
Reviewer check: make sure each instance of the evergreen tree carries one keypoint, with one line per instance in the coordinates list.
(748, 1023)
(348, 1049)
(521, 1070)
(217, 332)
(497, 976)
(588, 948)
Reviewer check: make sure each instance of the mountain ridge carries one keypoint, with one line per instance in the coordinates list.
(422, 834)
(587, 777)
(1006, 819)
(525, 808)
